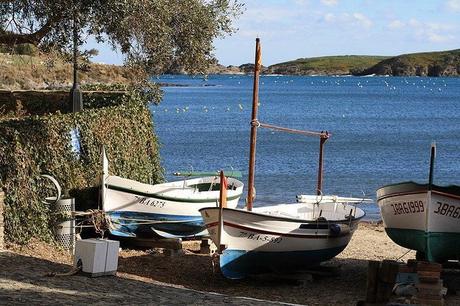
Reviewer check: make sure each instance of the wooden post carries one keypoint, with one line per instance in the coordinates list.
(255, 105)
(222, 204)
(2, 227)
(387, 278)
(322, 140)
(372, 280)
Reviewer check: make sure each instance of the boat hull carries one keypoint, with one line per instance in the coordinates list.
(167, 210)
(421, 219)
(257, 243)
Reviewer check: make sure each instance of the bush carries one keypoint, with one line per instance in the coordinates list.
(42, 144)
(26, 49)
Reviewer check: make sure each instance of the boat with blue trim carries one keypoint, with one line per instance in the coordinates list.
(169, 210)
(283, 237)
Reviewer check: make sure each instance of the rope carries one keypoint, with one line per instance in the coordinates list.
(403, 255)
(100, 221)
(73, 271)
(321, 134)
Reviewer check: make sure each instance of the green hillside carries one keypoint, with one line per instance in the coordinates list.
(327, 65)
(443, 63)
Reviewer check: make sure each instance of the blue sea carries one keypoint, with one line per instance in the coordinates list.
(381, 131)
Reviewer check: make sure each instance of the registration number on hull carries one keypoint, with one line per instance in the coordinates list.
(409, 207)
(448, 210)
(150, 202)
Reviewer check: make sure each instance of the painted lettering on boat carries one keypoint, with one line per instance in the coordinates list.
(409, 207)
(260, 237)
(447, 210)
(150, 202)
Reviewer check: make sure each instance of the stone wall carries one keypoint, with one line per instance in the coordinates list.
(2, 197)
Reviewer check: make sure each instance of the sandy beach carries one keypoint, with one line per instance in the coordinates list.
(150, 277)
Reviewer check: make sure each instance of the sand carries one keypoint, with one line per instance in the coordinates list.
(195, 271)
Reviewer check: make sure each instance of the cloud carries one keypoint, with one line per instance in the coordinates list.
(330, 2)
(346, 19)
(396, 24)
(426, 31)
(453, 5)
(437, 38)
(362, 20)
(302, 2)
(329, 17)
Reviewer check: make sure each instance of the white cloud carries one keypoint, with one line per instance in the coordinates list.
(437, 38)
(362, 20)
(346, 19)
(302, 2)
(396, 24)
(432, 32)
(330, 2)
(453, 5)
(414, 23)
(329, 17)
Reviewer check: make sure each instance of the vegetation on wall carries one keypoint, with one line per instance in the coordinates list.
(34, 145)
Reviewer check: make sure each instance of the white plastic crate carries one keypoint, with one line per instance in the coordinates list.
(98, 256)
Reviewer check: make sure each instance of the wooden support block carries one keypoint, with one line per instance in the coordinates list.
(437, 285)
(386, 280)
(429, 295)
(205, 246)
(388, 271)
(428, 276)
(412, 263)
(429, 266)
(406, 269)
(172, 252)
(430, 302)
(372, 273)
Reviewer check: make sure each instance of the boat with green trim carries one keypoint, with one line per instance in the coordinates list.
(423, 217)
(169, 210)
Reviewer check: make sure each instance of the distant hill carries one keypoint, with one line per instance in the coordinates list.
(46, 72)
(327, 65)
(444, 63)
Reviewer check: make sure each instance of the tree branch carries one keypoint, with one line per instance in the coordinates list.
(10, 38)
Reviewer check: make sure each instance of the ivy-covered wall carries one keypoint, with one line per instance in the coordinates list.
(42, 102)
(35, 145)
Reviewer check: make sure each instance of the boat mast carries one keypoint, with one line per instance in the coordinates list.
(254, 125)
(432, 157)
(322, 139)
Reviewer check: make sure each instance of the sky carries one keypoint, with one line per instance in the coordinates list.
(292, 29)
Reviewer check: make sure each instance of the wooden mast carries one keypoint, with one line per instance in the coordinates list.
(432, 158)
(322, 139)
(255, 104)
(222, 205)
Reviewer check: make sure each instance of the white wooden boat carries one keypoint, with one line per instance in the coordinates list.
(167, 210)
(423, 217)
(283, 237)
(280, 238)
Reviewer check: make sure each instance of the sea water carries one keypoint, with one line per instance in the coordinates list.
(381, 131)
